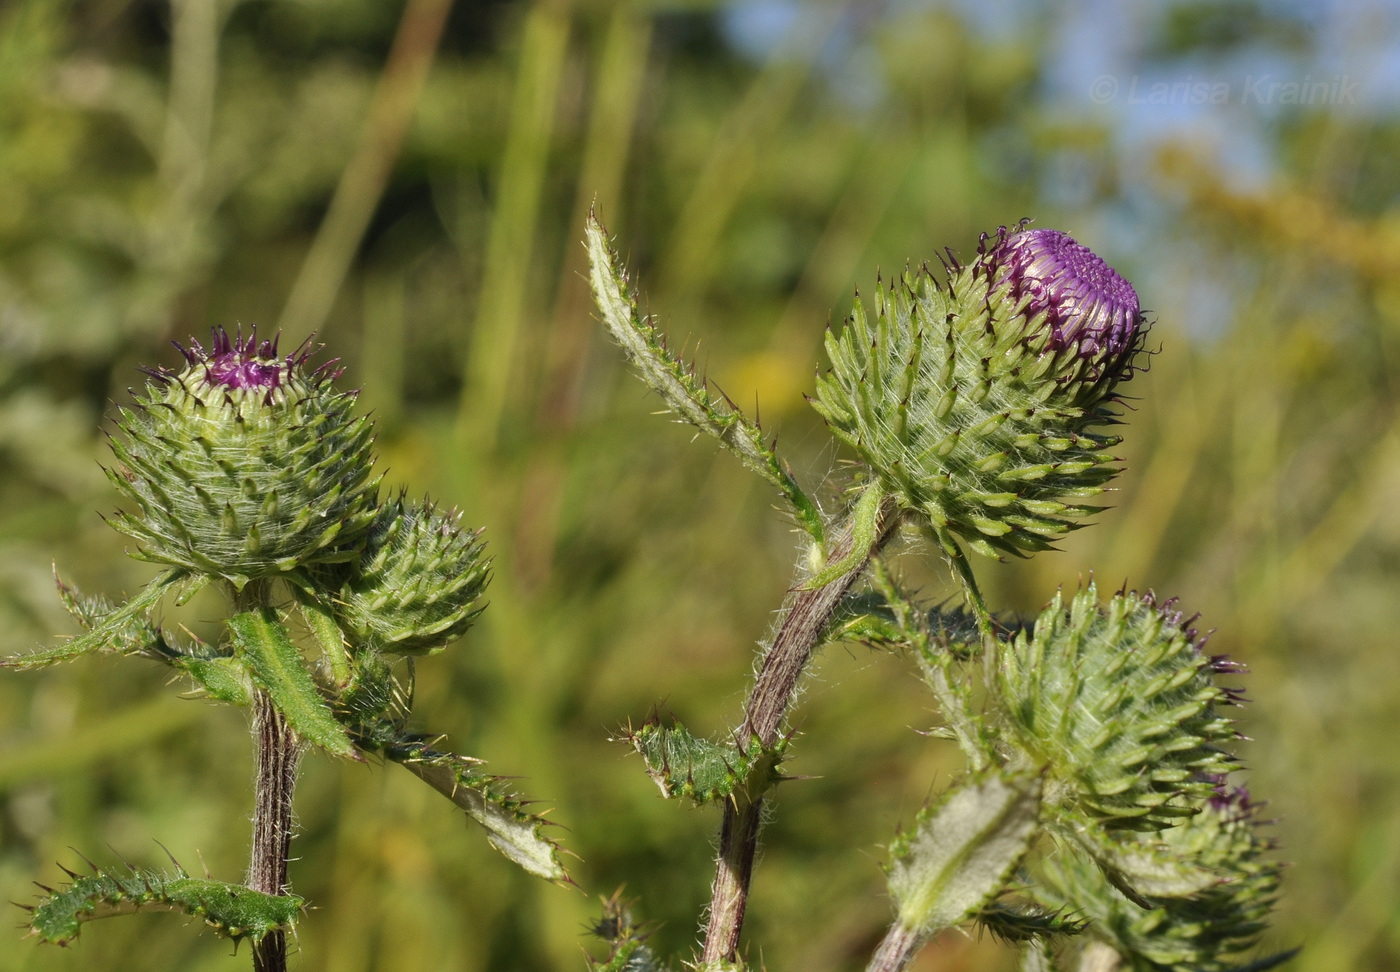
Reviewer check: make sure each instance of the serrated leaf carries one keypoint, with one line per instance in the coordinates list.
(963, 850)
(685, 393)
(125, 629)
(683, 765)
(231, 910)
(513, 831)
(275, 665)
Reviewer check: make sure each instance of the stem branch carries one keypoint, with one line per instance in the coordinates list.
(897, 949)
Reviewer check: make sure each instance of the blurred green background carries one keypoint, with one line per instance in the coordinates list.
(409, 181)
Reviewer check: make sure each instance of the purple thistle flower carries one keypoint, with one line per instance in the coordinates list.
(233, 361)
(1233, 802)
(1086, 302)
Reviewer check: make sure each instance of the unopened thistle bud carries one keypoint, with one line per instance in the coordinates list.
(975, 399)
(245, 464)
(418, 582)
(1213, 930)
(1120, 702)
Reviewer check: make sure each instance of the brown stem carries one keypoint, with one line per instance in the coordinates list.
(278, 755)
(897, 949)
(807, 614)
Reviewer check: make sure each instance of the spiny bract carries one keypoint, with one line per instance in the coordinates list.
(975, 400)
(245, 464)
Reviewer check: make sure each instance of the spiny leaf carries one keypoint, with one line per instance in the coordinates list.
(683, 765)
(224, 679)
(262, 645)
(218, 674)
(231, 910)
(1027, 922)
(963, 850)
(685, 393)
(513, 831)
(125, 629)
(627, 947)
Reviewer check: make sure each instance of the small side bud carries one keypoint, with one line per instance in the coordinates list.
(417, 584)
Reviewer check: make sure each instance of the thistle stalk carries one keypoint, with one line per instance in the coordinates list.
(799, 633)
(278, 754)
(274, 784)
(897, 949)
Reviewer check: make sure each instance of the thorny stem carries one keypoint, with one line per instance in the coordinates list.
(805, 618)
(278, 753)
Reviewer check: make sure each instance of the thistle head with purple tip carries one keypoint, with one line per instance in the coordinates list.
(977, 398)
(244, 464)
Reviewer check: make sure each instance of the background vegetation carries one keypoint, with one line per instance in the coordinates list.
(409, 179)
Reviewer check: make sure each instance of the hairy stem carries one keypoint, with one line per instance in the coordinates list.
(278, 753)
(897, 949)
(804, 619)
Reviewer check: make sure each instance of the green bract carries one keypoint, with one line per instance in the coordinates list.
(417, 583)
(976, 400)
(244, 465)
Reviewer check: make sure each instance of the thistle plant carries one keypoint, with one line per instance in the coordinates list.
(250, 471)
(1096, 824)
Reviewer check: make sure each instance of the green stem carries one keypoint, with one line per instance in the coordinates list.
(962, 570)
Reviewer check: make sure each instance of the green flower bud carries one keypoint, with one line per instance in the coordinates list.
(417, 583)
(975, 400)
(245, 464)
(1212, 930)
(1120, 702)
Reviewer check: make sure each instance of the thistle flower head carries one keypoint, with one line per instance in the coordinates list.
(1085, 303)
(1215, 929)
(976, 399)
(245, 463)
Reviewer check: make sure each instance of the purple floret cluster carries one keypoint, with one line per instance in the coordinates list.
(1086, 302)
